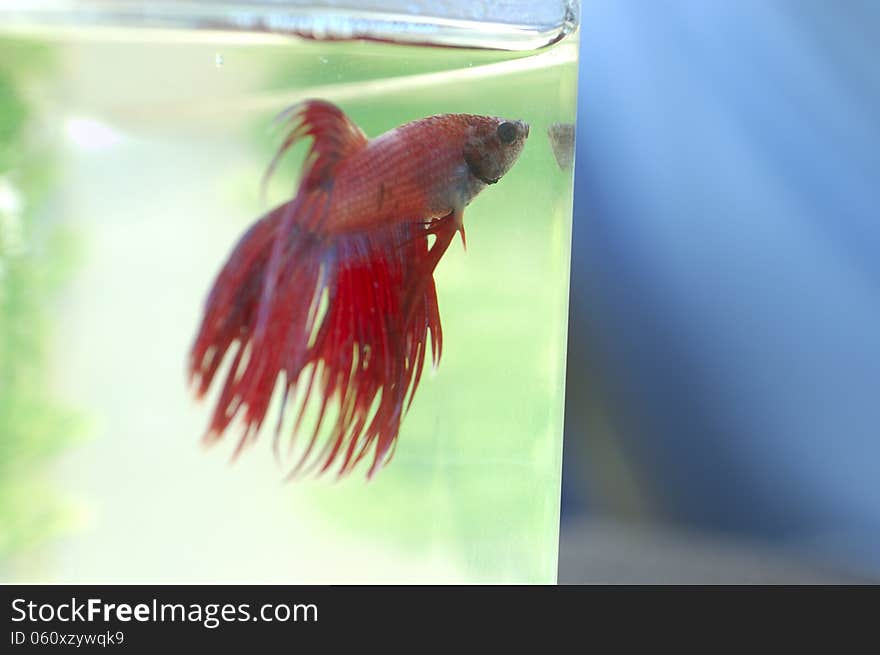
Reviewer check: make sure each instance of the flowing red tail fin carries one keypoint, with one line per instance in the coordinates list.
(347, 317)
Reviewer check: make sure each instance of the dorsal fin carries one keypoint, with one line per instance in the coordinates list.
(335, 137)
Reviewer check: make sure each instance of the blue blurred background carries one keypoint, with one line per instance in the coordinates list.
(724, 353)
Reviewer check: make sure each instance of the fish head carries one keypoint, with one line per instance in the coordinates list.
(492, 145)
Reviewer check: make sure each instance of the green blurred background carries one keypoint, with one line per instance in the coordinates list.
(36, 254)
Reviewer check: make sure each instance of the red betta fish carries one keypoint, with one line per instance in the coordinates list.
(335, 288)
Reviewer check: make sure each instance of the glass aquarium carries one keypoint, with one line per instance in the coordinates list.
(134, 137)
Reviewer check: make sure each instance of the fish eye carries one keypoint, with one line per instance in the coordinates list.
(507, 132)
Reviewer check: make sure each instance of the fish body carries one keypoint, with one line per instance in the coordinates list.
(333, 291)
(418, 169)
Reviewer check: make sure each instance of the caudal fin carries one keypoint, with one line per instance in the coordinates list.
(335, 325)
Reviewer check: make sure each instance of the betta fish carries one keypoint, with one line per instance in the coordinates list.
(333, 291)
